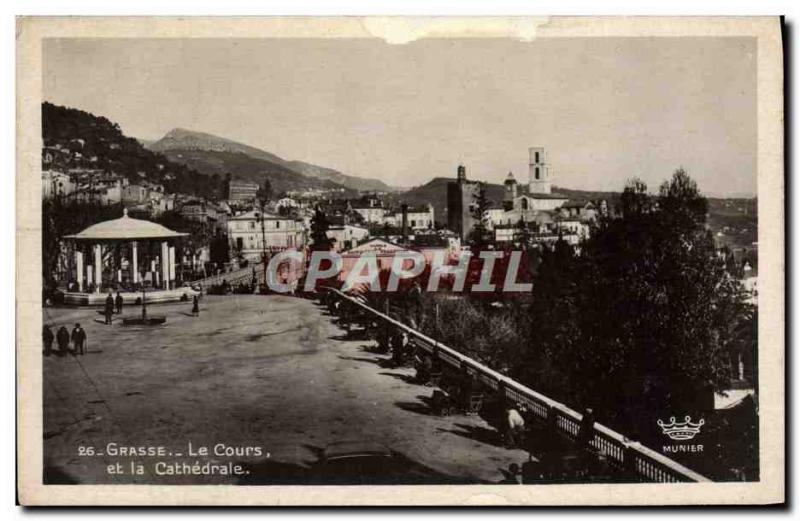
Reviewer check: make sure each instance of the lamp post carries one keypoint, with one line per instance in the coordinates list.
(263, 196)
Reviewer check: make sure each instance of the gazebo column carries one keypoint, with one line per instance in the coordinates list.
(134, 263)
(172, 265)
(79, 269)
(98, 267)
(165, 264)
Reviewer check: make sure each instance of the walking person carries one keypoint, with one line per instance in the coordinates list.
(109, 309)
(467, 387)
(399, 348)
(195, 307)
(118, 302)
(62, 337)
(78, 339)
(47, 340)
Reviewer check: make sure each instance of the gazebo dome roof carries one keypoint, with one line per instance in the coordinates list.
(125, 228)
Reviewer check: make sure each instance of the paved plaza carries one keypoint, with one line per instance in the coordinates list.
(271, 372)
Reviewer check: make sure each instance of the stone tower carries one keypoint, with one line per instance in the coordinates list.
(460, 195)
(461, 176)
(510, 193)
(539, 171)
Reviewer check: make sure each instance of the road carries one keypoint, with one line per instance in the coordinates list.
(274, 373)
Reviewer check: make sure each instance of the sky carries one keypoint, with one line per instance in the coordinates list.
(605, 109)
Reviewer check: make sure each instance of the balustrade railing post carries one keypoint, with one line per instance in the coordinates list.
(629, 463)
(501, 391)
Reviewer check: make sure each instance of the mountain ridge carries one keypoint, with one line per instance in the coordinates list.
(181, 139)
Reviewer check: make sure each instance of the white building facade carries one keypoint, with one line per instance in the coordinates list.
(246, 238)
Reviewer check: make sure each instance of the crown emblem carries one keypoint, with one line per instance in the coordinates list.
(681, 431)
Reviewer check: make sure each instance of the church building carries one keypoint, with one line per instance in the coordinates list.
(530, 203)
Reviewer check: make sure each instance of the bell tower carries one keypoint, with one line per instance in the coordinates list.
(538, 171)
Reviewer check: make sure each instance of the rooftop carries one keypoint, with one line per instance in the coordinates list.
(125, 228)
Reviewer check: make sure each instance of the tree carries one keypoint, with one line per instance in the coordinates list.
(262, 196)
(479, 235)
(226, 187)
(264, 193)
(319, 231)
(62, 216)
(522, 235)
(646, 319)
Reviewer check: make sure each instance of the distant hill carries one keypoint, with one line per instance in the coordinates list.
(182, 140)
(90, 141)
(247, 168)
(357, 183)
(146, 142)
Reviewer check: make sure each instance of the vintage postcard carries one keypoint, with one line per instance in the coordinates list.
(400, 261)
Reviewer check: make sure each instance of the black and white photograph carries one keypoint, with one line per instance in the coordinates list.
(412, 256)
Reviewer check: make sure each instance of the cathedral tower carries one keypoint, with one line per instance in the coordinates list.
(539, 171)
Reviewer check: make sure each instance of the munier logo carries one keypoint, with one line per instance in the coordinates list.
(681, 431)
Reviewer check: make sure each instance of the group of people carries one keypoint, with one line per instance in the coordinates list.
(113, 304)
(63, 337)
(558, 459)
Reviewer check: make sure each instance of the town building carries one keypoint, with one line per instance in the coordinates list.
(417, 217)
(200, 211)
(432, 244)
(346, 236)
(382, 250)
(103, 188)
(135, 194)
(242, 191)
(56, 184)
(286, 202)
(371, 210)
(247, 240)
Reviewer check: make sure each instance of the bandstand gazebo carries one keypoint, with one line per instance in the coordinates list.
(124, 255)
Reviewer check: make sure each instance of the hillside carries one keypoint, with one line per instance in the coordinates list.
(357, 183)
(77, 139)
(181, 140)
(247, 168)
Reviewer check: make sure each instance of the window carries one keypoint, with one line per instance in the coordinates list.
(253, 224)
(524, 203)
(278, 225)
(536, 172)
(537, 158)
